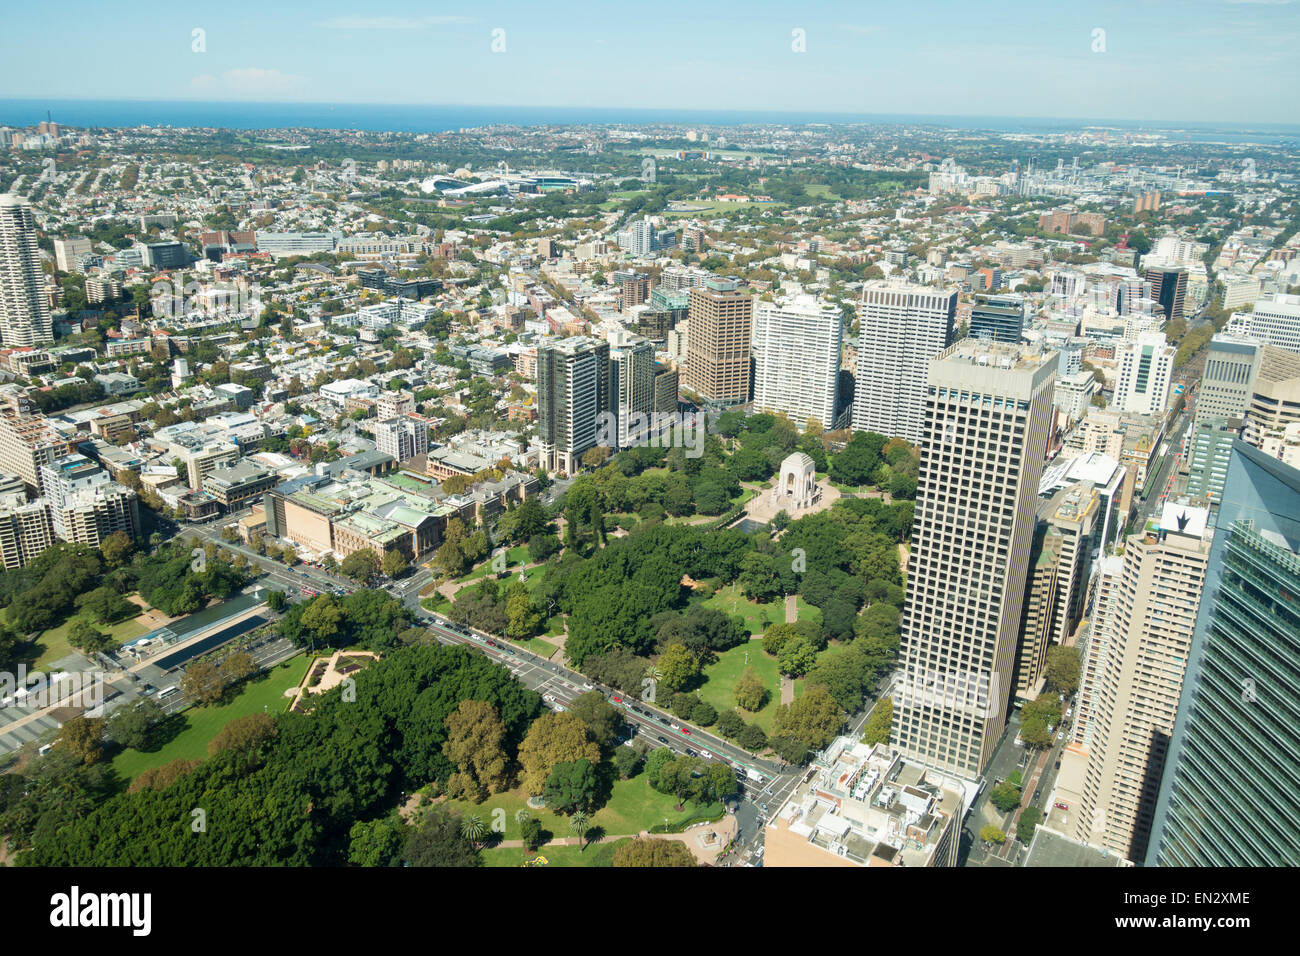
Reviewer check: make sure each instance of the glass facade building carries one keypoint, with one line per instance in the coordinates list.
(1228, 797)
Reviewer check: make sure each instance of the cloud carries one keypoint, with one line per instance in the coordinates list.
(250, 82)
(391, 23)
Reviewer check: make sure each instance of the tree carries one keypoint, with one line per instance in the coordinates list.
(361, 566)
(677, 667)
(750, 692)
(83, 738)
(1063, 669)
(476, 745)
(522, 619)
(276, 600)
(84, 636)
(1030, 817)
(133, 726)
(578, 824)
(879, 723)
(797, 656)
(323, 617)
(376, 842)
(812, 719)
(438, 841)
(1005, 796)
(202, 682)
(650, 852)
(530, 830)
(571, 787)
(554, 738)
(117, 548)
(603, 720)
(992, 834)
(244, 734)
(627, 762)
(473, 829)
(394, 563)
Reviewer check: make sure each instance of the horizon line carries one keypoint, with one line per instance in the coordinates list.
(180, 101)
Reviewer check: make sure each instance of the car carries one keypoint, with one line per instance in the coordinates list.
(493, 644)
(1037, 792)
(686, 732)
(616, 699)
(475, 637)
(1062, 806)
(1061, 735)
(691, 753)
(662, 740)
(588, 687)
(706, 755)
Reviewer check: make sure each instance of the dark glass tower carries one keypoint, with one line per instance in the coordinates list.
(1228, 794)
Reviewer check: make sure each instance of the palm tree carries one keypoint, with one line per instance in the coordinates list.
(578, 824)
(472, 829)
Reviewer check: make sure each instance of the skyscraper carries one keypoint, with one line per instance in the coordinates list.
(632, 387)
(1275, 320)
(1168, 288)
(987, 411)
(1134, 698)
(1233, 770)
(997, 317)
(797, 345)
(1231, 365)
(1146, 368)
(572, 392)
(903, 326)
(24, 310)
(721, 328)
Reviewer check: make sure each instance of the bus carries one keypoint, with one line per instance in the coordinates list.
(167, 692)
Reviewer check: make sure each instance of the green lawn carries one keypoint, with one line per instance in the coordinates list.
(719, 688)
(202, 723)
(516, 557)
(632, 807)
(730, 600)
(597, 854)
(53, 644)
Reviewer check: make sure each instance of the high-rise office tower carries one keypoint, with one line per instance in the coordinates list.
(665, 388)
(632, 387)
(1228, 793)
(1208, 451)
(1146, 369)
(997, 317)
(1135, 697)
(721, 328)
(1229, 377)
(1169, 289)
(572, 392)
(902, 327)
(1070, 522)
(1274, 320)
(1096, 645)
(797, 345)
(24, 309)
(1275, 396)
(987, 411)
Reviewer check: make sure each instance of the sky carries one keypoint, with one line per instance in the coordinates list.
(1165, 60)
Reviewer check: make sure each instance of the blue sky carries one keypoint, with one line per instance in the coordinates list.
(1178, 60)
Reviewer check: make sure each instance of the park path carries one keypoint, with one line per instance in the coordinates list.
(787, 683)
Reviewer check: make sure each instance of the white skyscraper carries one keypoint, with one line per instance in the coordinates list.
(1146, 369)
(632, 386)
(1275, 320)
(24, 311)
(797, 359)
(902, 327)
(987, 412)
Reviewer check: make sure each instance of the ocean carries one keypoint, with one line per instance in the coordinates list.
(427, 119)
